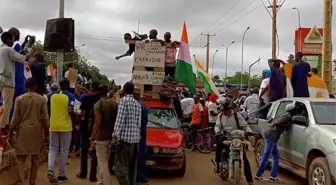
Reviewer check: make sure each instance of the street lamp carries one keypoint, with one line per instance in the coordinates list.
(249, 73)
(242, 62)
(226, 61)
(213, 62)
(299, 16)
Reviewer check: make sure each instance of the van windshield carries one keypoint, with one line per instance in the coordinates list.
(324, 112)
(162, 118)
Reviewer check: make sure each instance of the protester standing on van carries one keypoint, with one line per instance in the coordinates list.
(8, 58)
(277, 84)
(301, 71)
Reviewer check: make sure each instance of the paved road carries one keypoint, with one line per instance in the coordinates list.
(199, 172)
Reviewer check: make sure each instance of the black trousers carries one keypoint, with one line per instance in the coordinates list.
(247, 167)
(84, 156)
(126, 162)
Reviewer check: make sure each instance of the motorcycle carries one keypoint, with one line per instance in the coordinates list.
(223, 166)
(237, 142)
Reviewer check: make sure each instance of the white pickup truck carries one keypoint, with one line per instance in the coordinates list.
(308, 148)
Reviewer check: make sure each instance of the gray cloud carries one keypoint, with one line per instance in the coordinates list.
(100, 25)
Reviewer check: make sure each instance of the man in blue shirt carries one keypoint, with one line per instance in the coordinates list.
(142, 178)
(300, 73)
(277, 80)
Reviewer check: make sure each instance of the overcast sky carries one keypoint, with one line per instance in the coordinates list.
(100, 25)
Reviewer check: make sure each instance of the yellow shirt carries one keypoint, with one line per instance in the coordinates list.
(59, 102)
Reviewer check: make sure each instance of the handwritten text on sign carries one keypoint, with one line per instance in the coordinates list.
(148, 77)
(170, 55)
(151, 54)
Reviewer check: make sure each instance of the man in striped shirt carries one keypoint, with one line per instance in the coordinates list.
(126, 136)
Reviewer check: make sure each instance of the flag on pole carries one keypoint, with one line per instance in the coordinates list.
(208, 83)
(50, 70)
(184, 69)
(316, 85)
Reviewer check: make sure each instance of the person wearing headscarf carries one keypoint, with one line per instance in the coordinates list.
(263, 95)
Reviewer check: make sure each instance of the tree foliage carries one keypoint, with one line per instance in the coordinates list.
(81, 63)
(255, 80)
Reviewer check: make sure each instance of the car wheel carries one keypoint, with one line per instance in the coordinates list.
(319, 172)
(180, 172)
(258, 152)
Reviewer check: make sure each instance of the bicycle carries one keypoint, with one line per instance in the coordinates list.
(189, 138)
(208, 140)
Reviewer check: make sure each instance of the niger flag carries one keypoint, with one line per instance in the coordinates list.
(317, 86)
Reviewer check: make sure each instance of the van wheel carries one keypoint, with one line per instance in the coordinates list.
(258, 152)
(319, 172)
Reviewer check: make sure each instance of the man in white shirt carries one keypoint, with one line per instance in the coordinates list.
(213, 111)
(266, 75)
(187, 105)
(8, 57)
(252, 103)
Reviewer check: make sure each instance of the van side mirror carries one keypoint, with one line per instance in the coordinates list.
(300, 120)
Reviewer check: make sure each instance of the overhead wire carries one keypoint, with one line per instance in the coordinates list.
(218, 19)
(251, 2)
(238, 19)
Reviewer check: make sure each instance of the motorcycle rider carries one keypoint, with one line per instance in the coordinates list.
(227, 121)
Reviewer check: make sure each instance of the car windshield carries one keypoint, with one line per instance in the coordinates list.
(162, 118)
(324, 112)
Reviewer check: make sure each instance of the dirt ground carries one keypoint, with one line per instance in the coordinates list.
(199, 172)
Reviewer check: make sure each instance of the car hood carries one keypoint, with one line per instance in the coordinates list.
(170, 138)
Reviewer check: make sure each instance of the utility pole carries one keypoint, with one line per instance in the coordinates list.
(327, 45)
(274, 28)
(60, 53)
(207, 50)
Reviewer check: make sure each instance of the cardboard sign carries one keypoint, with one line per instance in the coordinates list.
(72, 77)
(151, 54)
(170, 55)
(148, 77)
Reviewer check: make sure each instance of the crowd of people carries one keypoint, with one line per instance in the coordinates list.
(226, 114)
(106, 129)
(114, 133)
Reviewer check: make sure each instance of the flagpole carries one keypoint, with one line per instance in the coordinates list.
(138, 26)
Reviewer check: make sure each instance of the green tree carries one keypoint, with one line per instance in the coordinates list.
(217, 80)
(80, 63)
(291, 59)
(236, 79)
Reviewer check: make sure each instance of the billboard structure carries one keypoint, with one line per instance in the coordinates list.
(309, 42)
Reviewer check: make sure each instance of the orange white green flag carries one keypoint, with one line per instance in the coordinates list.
(50, 70)
(208, 83)
(316, 85)
(184, 69)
